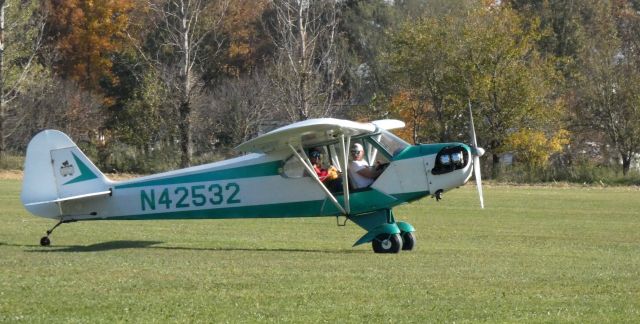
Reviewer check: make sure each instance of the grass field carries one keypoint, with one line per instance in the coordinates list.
(533, 255)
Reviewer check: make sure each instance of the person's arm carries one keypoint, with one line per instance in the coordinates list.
(369, 172)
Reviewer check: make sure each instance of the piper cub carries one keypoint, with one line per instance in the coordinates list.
(320, 167)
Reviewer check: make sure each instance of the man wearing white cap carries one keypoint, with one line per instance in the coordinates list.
(362, 175)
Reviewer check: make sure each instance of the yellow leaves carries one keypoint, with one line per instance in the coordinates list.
(534, 147)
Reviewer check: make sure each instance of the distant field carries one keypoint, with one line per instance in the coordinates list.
(534, 255)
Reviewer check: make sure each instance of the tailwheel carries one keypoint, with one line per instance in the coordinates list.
(44, 241)
(387, 243)
(408, 240)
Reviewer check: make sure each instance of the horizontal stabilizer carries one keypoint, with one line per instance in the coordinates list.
(78, 197)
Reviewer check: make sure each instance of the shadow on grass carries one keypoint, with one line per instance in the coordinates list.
(224, 249)
(99, 247)
(119, 245)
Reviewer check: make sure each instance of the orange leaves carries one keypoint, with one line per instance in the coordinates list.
(86, 33)
(412, 111)
(241, 24)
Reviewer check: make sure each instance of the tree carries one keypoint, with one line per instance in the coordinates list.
(609, 90)
(425, 59)
(486, 58)
(19, 45)
(234, 111)
(247, 44)
(413, 112)
(512, 87)
(533, 147)
(365, 26)
(306, 68)
(86, 34)
(181, 28)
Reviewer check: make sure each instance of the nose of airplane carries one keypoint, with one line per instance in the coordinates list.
(477, 151)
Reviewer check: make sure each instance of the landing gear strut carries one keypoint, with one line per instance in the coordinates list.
(44, 241)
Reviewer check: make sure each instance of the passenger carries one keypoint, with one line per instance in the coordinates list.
(316, 161)
(328, 176)
(361, 174)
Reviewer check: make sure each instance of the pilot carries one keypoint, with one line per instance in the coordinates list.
(361, 174)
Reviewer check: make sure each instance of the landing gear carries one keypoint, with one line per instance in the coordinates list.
(387, 243)
(408, 240)
(44, 241)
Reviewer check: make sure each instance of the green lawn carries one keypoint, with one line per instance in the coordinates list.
(533, 255)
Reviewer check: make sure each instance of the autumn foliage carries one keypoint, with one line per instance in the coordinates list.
(85, 35)
(534, 147)
(405, 107)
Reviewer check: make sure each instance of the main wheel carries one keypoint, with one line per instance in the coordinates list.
(386, 243)
(44, 241)
(408, 240)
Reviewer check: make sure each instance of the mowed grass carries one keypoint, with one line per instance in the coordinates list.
(533, 255)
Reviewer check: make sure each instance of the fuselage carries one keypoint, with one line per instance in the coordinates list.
(254, 186)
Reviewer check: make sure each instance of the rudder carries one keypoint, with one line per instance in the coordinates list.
(55, 169)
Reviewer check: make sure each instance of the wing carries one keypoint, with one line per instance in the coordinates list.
(307, 133)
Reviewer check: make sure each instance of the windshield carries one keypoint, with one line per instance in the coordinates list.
(392, 143)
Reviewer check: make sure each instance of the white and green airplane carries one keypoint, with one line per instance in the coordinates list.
(275, 179)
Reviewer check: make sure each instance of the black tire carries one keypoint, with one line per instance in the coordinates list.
(385, 243)
(408, 241)
(44, 241)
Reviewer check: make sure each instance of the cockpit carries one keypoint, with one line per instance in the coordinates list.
(381, 147)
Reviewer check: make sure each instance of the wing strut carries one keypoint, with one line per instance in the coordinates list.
(344, 149)
(307, 166)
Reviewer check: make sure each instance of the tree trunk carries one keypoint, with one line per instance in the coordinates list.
(184, 109)
(3, 112)
(185, 134)
(495, 165)
(304, 109)
(626, 164)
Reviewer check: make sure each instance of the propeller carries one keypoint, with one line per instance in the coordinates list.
(477, 152)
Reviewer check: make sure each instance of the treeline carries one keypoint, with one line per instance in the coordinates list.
(145, 86)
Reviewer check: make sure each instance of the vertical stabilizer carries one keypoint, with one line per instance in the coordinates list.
(56, 169)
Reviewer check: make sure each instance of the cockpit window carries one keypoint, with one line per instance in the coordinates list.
(392, 143)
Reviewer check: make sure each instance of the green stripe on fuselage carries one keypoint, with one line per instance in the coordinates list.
(247, 171)
(293, 209)
(283, 210)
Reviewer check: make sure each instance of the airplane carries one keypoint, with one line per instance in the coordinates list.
(274, 179)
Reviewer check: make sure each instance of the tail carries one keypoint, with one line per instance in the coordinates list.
(56, 171)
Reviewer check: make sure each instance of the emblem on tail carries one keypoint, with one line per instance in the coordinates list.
(67, 169)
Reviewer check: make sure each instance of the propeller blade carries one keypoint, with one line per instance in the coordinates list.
(478, 152)
(474, 141)
(476, 170)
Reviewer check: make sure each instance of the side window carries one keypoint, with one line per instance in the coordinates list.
(292, 168)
